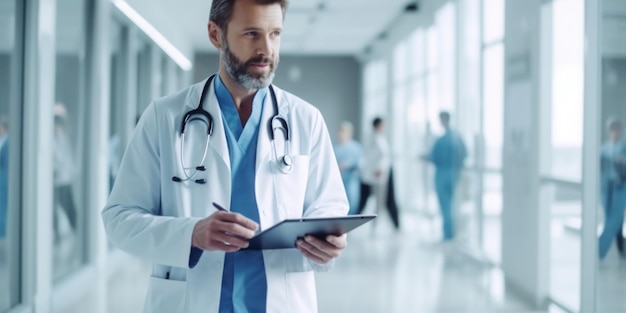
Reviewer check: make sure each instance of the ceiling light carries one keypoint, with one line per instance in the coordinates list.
(154, 34)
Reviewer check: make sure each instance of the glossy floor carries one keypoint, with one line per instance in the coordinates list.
(381, 271)
(388, 271)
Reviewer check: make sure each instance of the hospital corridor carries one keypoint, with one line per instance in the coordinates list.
(304, 156)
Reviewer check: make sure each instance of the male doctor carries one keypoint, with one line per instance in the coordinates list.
(156, 213)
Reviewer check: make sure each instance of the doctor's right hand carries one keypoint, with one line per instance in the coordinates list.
(223, 231)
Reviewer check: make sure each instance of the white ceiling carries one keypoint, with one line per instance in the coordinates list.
(340, 27)
(326, 27)
(343, 27)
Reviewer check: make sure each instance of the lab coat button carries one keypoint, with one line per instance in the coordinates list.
(217, 264)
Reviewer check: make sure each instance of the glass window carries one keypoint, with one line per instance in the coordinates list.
(396, 131)
(432, 59)
(446, 67)
(416, 144)
(565, 152)
(432, 89)
(117, 100)
(68, 145)
(400, 60)
(442, 65)
(493, 97)
(397, 123)
(376, 94)
(433, 103)
(417, 53)
(144, 79)
(567, 88)
(493, 20)
(165, 74)
(181, 78)
(9, 213)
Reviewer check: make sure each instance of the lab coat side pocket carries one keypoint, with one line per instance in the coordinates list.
(301, 293)
(165, 296)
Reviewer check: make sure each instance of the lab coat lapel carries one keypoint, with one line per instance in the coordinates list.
(264, 145)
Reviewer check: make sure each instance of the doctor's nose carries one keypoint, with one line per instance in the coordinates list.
(265, 47)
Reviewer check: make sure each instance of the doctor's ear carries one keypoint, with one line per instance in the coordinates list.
(215, 35)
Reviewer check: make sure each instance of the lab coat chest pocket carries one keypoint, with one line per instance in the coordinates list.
(291, 187)
(166, 296)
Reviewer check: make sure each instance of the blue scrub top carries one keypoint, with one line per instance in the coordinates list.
(608, 154)
(349, 158)
(449, 152)
(244, 284)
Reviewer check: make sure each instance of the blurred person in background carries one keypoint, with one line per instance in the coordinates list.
(64, 171)
(376, 173)
(613, 187)
(447, 155)
(349, 154)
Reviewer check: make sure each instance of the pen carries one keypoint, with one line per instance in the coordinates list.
(219, 207)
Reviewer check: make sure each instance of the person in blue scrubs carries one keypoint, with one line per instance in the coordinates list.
(349, 155)
(613, 187)
(448, 154)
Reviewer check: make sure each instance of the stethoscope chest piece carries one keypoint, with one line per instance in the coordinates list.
(286, 164)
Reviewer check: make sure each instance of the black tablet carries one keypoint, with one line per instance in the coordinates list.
(284, 234)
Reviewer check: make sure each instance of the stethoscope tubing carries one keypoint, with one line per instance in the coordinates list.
(284, 163)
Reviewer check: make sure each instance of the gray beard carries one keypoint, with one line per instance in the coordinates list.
(238, 70)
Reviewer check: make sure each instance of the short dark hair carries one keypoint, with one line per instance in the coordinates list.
(444, 116)
(613, 123)
(222, 10)
(377, 121)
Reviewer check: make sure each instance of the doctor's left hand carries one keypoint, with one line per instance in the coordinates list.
(322, 251)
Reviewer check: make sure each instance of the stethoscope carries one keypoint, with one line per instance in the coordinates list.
(276, 123)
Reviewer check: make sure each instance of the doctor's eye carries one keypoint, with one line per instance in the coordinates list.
(251, 34)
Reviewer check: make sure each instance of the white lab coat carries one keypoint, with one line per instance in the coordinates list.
(150, 216)
(377, 158)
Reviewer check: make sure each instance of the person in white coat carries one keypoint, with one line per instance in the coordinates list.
(376, 173)
(162, 207)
